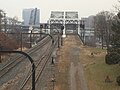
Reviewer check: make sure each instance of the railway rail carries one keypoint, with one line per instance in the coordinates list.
(18, 60)
(40, 64)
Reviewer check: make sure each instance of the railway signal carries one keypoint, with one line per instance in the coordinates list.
(62, 27)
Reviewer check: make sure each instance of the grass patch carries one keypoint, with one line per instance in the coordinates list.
(96, 70)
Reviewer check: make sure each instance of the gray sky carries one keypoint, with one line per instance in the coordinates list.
(84, 7)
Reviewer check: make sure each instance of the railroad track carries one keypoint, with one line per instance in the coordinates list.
(6, 68)
(40, 66)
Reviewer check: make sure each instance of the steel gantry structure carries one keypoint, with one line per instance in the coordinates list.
(68, 19)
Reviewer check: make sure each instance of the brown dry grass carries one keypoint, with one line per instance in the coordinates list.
(62, 75)
(96, 70)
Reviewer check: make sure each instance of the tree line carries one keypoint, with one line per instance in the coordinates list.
(107, 31)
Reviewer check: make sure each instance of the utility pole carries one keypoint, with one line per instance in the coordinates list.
(0, 31)
(31, 39)
(82, 26)
(62, 27)
(41, 27)
(5, 23)
(1, 16)
(30, 28)
(53, 72)
(0, 54)
(21, 41)
(102, 38)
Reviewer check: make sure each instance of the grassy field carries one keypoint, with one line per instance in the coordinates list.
(96, 70)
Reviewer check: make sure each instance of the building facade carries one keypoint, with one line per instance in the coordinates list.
(88, 33)
(31, 16)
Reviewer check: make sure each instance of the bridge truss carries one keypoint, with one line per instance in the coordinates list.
(68, 19)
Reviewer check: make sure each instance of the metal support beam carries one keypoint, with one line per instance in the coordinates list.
(36, 33)
(30, 39)
(51, 38)
(30, 59)
(58, 41)
(21, 41)
(61, 41)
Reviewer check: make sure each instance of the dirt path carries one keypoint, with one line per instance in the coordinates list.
(70, 66)
(82, 77)
(77, 78)
(72, 77)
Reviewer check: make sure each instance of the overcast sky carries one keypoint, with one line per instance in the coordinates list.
(84, 7)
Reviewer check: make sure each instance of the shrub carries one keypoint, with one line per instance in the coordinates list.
(112, 58)
(118, 80)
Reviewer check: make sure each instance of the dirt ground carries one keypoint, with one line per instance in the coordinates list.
(70, 74)
(83, 68)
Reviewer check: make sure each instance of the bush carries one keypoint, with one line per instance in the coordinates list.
(118, 80)
(112, 58)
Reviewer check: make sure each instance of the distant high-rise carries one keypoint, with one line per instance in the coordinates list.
(31, 16)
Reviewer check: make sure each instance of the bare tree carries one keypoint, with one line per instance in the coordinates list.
(102, 23)
(117, 7)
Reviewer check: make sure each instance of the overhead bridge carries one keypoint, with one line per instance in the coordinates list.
(68, 19)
